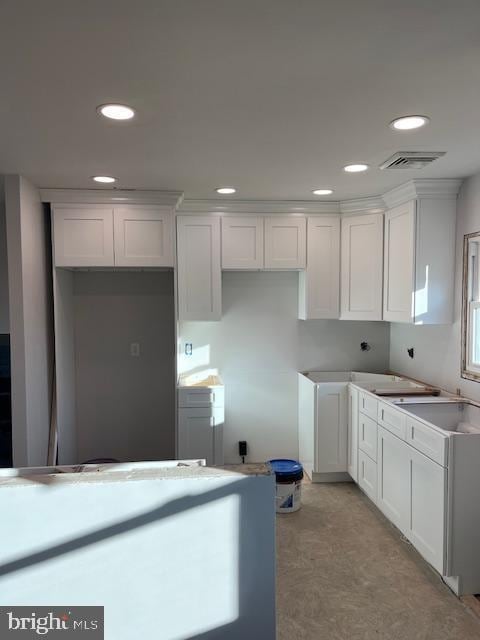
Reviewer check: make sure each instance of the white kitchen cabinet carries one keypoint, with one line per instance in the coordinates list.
(399, 263)
(201, 416)
(242, 242)
(143, 237)
(367, 475)
(352, 433)
(393, 464)
(105, 236)
(367, 435)
(285, 242)
(419, 262)
(331, 427)
(362, 267)
(83, 236)
(199, 434)
(319, 286)
(428, 497)
(199, 268)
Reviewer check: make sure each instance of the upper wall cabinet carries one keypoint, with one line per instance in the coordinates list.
(143, 237)
(362, 267)
(242, 242)
(419, 261)
(106, 236)
(285, 242)
(83, 236)
(319, 289)
(199, 269)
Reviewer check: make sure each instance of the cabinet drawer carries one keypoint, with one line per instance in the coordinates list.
(392, 419)
(367, 436)
(367, 405)
(201, 397)
(367, 475)
(427, 441)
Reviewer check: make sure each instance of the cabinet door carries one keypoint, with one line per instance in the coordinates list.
(143, 237)
(242, 243)
(362, 267)
(319, 289)
(285, 242)
(83, 236)
(393, 496)
(199, 271)
(426, 526)
(367, 435)
(196, 434)
(367, 475)
(331, 431)
(399, 263)
(352, 434)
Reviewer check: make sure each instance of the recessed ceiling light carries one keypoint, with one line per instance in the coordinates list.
(104, 179)
(116, 111)
(407, 123)
(225, 191)
(322, 192)
(355, 168)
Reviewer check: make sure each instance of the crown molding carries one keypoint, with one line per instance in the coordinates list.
(299, 207)
(111, 196)
(374, 204)
(424, 188)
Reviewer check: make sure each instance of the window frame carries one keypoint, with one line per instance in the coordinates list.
(470, 370)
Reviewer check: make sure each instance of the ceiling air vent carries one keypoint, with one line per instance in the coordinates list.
(411, 159)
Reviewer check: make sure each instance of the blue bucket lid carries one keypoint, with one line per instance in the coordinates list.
(284, 467)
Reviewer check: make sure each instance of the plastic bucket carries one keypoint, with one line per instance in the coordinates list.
(288, 475)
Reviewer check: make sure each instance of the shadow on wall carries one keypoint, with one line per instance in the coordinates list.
(251, 612)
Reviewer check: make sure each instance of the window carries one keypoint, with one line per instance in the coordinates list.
(471, 307)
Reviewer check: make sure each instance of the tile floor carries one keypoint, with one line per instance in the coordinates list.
(345, 573)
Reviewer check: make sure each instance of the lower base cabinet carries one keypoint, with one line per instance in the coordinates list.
(393, 479)
(331, 428)
(412, 495)
(200, 434)
(367, 475)
(427, 492)
(352, 433)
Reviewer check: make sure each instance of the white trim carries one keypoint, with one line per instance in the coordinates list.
(424, 188)
(220, 207)
(111, 196)
(472, 367)
(374, 204)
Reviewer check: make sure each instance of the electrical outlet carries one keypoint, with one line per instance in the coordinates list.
(188, 349)
(135, 349)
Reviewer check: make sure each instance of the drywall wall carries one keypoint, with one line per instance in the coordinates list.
(438, 348)
(258, 347)
(31, 320)
(185, 557)
(125, 404)
(4, 310)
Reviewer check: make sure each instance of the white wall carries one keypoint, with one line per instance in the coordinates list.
(31, 337)
(259, 346)
(180, 556)
(125, 405)
(438, 348)
(4, 310)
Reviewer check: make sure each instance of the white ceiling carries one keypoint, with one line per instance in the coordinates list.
(272, 96)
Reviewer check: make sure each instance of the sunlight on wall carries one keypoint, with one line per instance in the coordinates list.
(420, 300)
(199, 359)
